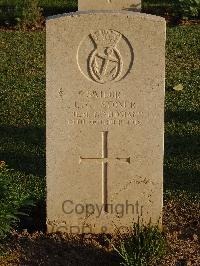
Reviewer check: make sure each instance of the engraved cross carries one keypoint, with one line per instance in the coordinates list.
(104, 161)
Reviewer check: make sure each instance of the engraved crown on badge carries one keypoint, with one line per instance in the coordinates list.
(106, 38)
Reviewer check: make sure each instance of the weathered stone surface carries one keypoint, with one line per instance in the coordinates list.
(105, 120)
(132, 5)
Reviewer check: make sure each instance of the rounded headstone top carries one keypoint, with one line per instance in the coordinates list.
(108, 12)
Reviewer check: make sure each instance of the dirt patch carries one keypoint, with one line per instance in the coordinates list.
(58, 249)
(181, 227)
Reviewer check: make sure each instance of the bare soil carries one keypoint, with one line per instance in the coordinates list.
(181, 225)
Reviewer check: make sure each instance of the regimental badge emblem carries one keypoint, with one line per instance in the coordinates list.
(105, 56)
(105, 62)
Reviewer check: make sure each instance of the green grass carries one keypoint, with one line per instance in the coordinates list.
(22, 101)
(19, 195)
(182, 127)
(22, 118)
(10, 9)
(44, 3)
(22, 109)
(144, 246)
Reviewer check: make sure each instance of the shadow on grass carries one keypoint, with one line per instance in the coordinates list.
(35, 220)
(181, 164)
(23, 149)
(181, 179)
(8, 15)
(182, 117)
(50, 11)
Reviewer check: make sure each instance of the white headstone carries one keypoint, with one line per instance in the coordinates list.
(105, 120)
(131, 5)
